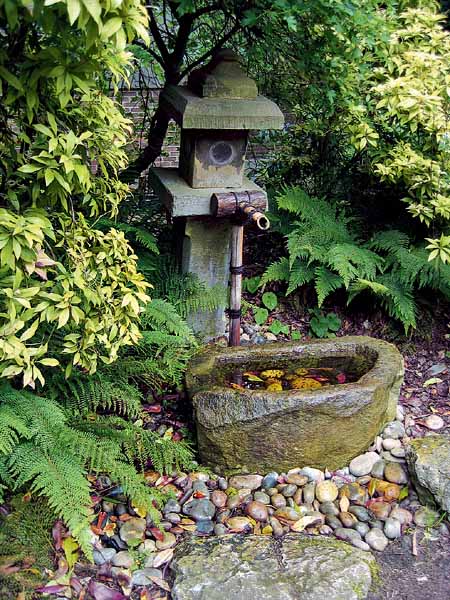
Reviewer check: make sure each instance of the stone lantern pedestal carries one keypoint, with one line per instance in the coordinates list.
(216, 111)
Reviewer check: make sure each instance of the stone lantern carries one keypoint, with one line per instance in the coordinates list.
(215, 111)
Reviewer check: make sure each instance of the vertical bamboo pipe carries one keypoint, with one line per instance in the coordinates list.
(237, 244)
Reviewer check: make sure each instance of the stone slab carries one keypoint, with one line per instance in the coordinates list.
(193, 112)
(181, 200)
(429, 464)
(296, 567)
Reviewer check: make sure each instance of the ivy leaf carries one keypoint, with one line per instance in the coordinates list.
(270, 300)
(261, 315)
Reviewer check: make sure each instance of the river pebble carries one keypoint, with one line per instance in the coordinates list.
(326, 491)
(362, 464)
(376, 540)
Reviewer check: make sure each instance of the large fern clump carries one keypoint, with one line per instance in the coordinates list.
(44, 448)
(324, 250)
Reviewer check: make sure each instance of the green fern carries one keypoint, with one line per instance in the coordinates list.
(324, 249)
(48, 450)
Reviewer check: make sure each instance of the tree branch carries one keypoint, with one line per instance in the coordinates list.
(212, 50)
(154, 30)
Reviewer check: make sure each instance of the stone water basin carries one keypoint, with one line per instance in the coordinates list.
(250, 430)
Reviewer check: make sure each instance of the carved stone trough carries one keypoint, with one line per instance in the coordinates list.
(258, 430)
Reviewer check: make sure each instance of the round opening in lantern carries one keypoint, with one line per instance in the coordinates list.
(221, 153)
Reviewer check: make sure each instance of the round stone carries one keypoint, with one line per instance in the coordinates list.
(173, 518)
(398, 452)
(289, 490)
(278, 501)
(360, 544)
(220, 529)
(425, 517)
(392, 528)
(172, 506)
(148, 546)
(257, 510)
(205, 527)
(354, 492)
(390, 443)
(347, 519)
(376, 524)
(312, 474)
(361, 528)
(297, 479)
(270, 480)
(199, 509)
(328, 508)
(144, 576)
(326, 491)
(219, 498)
(380, 510)
(233, 501)
(402, 515)
(287, 513)
(362, 464)
(394, 429)
(277, 528)
(376, 539)
(434, 422)
(103, 555)
(123, 559)
(239, 524)
(297, 498)
(347, 534)
(252, 482)
(333, 521)
(133, 529)
(309, 493)
(361, 513)
(262, 497)
(378, 469)
(395, 473)
(222, 483)
(168, 541)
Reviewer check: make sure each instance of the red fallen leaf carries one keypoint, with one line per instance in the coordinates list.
(75, 584)
(103, 592)
(199, 494)
(153, 408)
(58, 531)
(341, 378)
(102, 516)
(52, 589)
(125, 517)
(177, 436)
(96, 530)
(157, 533)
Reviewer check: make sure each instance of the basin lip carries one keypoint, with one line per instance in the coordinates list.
(384, 371)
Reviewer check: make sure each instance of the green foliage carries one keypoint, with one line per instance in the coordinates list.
(49, 451)
(261, 315)
(270, 300)
(324, 326)
(185, 291)
(62, 146)
(324, 249)
(277, 327)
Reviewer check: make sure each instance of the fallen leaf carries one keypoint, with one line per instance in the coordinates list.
(432, 381)
(344, 504)
(157, 533)
(163, 557)
(71, 551)
(103, 592)
(236, 386)
(161, 583)
(53, 589)
(303, 522)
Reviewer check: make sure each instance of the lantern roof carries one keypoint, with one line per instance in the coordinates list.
(221, 96)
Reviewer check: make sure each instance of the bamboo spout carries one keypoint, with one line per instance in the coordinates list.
(244, 207)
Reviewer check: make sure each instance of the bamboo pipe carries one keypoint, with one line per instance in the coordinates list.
(244, 207)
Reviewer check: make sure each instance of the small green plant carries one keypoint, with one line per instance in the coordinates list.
(324, 326)
(251, 284)
(277, 327)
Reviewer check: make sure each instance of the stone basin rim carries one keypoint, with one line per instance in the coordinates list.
(385, 368)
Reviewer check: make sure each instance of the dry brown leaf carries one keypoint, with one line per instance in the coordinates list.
(161, 583)
(344, 504)
(163, 557)
(303, 522)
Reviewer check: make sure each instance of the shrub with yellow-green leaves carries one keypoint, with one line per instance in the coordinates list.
(402, 122)
(70, 294)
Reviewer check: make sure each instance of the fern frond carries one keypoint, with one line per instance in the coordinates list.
(301, 273)
(389, 241)
(277, 271)
(325, 283)
(352, 261)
